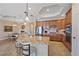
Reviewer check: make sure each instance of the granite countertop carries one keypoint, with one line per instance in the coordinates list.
(58, 33)
(52, 33)
(34, 39)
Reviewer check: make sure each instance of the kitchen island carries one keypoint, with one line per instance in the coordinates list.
(42, 42)
(39, 44)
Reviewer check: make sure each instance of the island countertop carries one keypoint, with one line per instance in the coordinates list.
(34, 38)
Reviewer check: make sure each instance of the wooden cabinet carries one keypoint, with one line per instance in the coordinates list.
(42, 23)
(60, 38)
(39, 23)
(56, 37)
(67, 44)
(68, 19)
(59, 23)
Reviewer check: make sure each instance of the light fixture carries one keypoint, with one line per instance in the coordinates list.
(63, 15)
(26, 13)
(47, 10)
(26, 17)
(30, 8)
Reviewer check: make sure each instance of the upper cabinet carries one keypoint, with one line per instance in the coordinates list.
(68, 18)
(42, 23)
(61, 24)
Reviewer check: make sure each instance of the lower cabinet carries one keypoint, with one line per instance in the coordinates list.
(61, 38)
(56, 37)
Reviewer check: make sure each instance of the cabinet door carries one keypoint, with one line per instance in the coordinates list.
(39, 23)
(56, 37)
(52, 38)
(68, 18)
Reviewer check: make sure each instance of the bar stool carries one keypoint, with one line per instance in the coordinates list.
(19, 47)
(26, 49)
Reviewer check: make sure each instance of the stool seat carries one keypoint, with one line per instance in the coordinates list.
(25, 48)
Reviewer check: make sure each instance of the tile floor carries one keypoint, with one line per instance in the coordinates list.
(7, 48)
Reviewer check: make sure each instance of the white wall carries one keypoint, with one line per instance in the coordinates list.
(4, 35)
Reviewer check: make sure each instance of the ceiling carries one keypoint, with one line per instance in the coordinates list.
(37, 11)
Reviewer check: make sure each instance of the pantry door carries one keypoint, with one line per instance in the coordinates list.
(75, 29)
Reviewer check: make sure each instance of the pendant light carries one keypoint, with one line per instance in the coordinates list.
(26, 13)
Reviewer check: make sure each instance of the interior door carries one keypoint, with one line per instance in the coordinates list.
(75, 29)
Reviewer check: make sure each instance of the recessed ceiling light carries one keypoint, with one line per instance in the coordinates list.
(63, 15)
(29, 8)
(47, 10)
